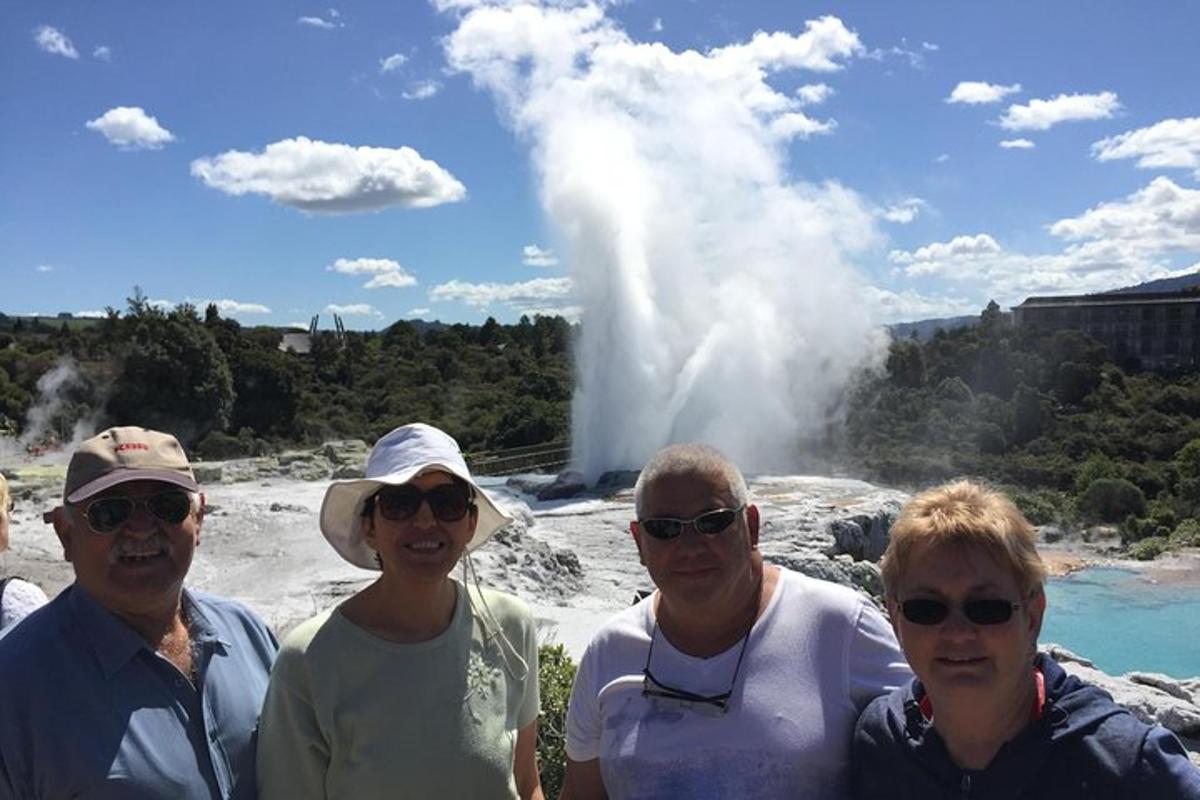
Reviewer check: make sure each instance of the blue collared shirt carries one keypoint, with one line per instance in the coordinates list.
(89, 710)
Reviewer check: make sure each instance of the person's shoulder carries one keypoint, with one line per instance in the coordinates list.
(627, 624)
(228, 611)
(821, 595)
(881, 714)
(504, 606)
(23, 592)
(309, 635)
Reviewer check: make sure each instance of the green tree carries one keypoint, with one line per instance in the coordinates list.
(173, 378)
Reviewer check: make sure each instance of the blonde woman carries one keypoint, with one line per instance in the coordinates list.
(987, 716)
(419, 685)
(17, 597)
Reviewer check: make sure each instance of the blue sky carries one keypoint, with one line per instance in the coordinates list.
(438, 159)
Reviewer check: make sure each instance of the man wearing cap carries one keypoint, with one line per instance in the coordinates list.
(128, 685)
(735, 679)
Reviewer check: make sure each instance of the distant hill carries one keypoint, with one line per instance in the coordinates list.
(1177, 284)
(925, 328)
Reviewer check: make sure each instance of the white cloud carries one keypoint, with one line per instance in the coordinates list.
(354, 310)
(905, 211)
(393, 280)
(384, 272)
(323, 177)
(361, 266)
(53, 41)
(824, 43)
(392, 63)
(812, 94)
(980, 92)
(1161, 216)
(536, 293)
(915, 58)
(1170, 144)
(1039, 115)
(418, 312)
(534, 256)
(907, 305)
(933, 259)
(1118, 243)
(1017, 144)
(227, 306)
(91, 314)
(321, 22)
(102, 53)
(131, 128)
(657, 25)
(942, 159)
(421, 90)
(44, 268)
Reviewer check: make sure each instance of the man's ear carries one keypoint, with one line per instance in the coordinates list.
(201, 506)
(752, 523)
(637, 539)
(61, 520)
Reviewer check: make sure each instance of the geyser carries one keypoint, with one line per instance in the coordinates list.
(719, 299)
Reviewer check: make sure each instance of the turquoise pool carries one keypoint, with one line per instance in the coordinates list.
(1123, 622)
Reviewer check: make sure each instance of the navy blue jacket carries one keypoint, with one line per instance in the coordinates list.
(1084, 747)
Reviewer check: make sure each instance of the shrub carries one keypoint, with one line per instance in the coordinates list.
(1149, 549)
(1187, 534)
(1111, 500)
(1097, 466)
(556, 674)
(1040, 506)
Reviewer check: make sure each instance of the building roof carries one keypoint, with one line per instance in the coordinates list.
(1074, 301)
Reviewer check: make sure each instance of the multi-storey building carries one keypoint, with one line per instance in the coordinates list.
(1159, 330)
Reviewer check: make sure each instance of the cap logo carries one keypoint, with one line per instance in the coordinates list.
(132, 446)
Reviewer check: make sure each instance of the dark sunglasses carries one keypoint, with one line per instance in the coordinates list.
(108, 514)
(449, 502)
(710, 523)
(985, 611)
(709, 705)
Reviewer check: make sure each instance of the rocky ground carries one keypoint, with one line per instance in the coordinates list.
(570, 557)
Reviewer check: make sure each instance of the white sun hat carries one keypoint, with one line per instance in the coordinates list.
(397, 458)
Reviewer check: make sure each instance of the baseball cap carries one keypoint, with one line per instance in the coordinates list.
(119, 455)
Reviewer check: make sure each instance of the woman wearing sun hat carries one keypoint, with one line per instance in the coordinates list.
(419, 685)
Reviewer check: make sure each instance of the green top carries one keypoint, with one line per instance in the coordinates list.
(350, 715)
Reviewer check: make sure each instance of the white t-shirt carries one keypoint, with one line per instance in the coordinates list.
(814, 659)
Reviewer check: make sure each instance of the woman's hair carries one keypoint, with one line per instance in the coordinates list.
(967, 515)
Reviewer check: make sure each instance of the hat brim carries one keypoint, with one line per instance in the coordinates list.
(341, 512)
(119, 476)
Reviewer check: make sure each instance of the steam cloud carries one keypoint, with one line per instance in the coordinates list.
(719, 301)
(44, 416)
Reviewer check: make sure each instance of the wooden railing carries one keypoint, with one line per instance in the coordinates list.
(548, 457)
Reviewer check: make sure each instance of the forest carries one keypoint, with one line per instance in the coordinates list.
(1047, 415)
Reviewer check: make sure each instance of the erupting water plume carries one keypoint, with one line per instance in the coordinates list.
(719, 301)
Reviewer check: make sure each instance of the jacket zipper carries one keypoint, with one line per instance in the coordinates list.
(966, 786)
